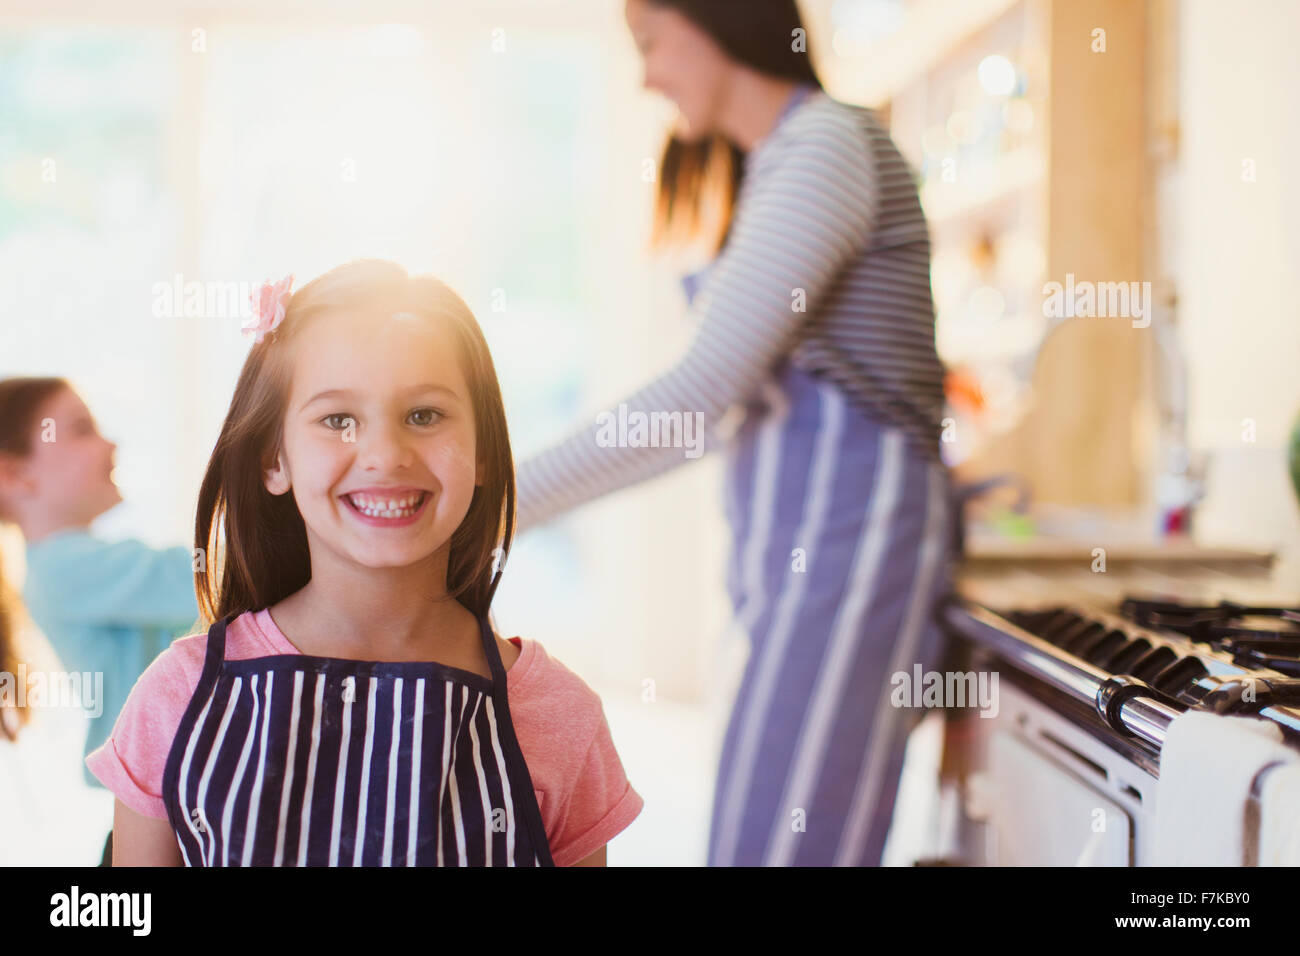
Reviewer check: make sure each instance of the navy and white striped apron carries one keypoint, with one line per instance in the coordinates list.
(294, 760)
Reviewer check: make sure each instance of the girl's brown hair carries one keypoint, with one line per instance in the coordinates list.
(9, 659)
(254, 543)
(699, 181)
(20, 401)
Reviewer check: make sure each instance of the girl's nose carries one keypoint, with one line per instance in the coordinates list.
(383, 448)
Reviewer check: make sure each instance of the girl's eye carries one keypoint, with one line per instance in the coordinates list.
(346, 420)
(427, 411)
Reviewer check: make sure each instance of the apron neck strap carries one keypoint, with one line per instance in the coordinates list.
(493, 655)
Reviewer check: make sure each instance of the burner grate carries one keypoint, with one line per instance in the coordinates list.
(1254, 636)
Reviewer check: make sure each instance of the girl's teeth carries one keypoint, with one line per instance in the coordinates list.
(391, 508)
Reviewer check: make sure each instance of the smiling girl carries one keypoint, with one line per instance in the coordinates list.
(350, 703)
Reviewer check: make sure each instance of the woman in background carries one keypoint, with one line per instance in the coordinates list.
(816, 319)
(106, 607)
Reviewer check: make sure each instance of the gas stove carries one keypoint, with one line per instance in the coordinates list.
(1254, 636)
(1066, 770)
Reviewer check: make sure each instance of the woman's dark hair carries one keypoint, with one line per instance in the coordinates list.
(699, 181)
(255, 543)
(20, 401)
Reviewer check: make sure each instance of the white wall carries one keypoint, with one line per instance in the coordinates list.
(1236, 260)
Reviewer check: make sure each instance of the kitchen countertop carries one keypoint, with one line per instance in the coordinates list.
(1043, 571)
(991, 551)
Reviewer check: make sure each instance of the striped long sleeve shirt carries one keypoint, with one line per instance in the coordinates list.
(827, 264)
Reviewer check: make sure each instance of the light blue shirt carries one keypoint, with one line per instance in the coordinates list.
(109, 608)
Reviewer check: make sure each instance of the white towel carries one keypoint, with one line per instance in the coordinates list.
(1206, 768)
(1279, 816)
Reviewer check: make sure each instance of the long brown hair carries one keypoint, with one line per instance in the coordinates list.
(9, 658)
(699, 181)
(21, 399)
(254, 543)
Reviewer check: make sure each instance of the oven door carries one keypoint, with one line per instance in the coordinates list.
(1042, 813)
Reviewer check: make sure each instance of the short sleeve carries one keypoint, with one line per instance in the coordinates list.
(601, 805)
(131, 762)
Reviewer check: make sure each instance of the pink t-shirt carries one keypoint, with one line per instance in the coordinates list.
(582, 791)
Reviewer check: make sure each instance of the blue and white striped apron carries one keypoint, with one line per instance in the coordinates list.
(294, 760)
(841, 546)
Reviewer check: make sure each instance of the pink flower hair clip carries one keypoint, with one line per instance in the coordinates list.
(269, 302)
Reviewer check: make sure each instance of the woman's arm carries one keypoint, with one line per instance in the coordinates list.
(122, 582)
(143, 841)
(806, 208)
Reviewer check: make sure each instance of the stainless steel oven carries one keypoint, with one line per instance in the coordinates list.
(1067, 771)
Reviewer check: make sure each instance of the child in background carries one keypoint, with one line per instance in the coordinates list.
(106, 607)
(348, 705)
